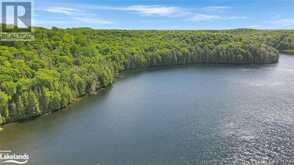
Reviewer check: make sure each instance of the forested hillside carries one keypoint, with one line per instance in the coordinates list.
(62, 65)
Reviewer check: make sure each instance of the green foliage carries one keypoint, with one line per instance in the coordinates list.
(63, 64)
(4, 112)
(33, 108)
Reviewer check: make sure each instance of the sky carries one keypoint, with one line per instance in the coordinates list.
(165, 14)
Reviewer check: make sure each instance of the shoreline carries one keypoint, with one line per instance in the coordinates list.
(74, 102)
(99, 90)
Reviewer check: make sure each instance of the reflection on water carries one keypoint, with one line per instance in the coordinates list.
(184, 115)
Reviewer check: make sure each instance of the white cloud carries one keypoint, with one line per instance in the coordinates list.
(144, 9)
(254, 26)
(216, 8)
(284, 22)
(92, 20)
(154, 10)
(206, 17)
(61, 10)
(172, 11)
(235, 18)
(77, 12)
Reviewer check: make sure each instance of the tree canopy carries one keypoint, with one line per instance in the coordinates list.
(61, 65)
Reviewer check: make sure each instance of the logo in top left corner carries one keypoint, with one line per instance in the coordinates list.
(16, 16)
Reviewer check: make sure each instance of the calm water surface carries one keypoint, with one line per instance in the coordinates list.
(176, 116)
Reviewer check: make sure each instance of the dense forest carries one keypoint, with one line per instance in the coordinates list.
(62, 65)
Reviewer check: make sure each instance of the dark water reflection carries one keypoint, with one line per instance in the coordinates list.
(184, 115)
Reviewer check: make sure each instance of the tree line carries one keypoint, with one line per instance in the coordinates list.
(62, 65)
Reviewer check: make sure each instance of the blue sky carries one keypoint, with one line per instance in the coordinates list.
(165, 14)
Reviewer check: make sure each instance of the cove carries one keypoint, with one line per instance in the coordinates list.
(202, 114)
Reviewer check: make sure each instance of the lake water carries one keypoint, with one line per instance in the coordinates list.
(171, 116)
